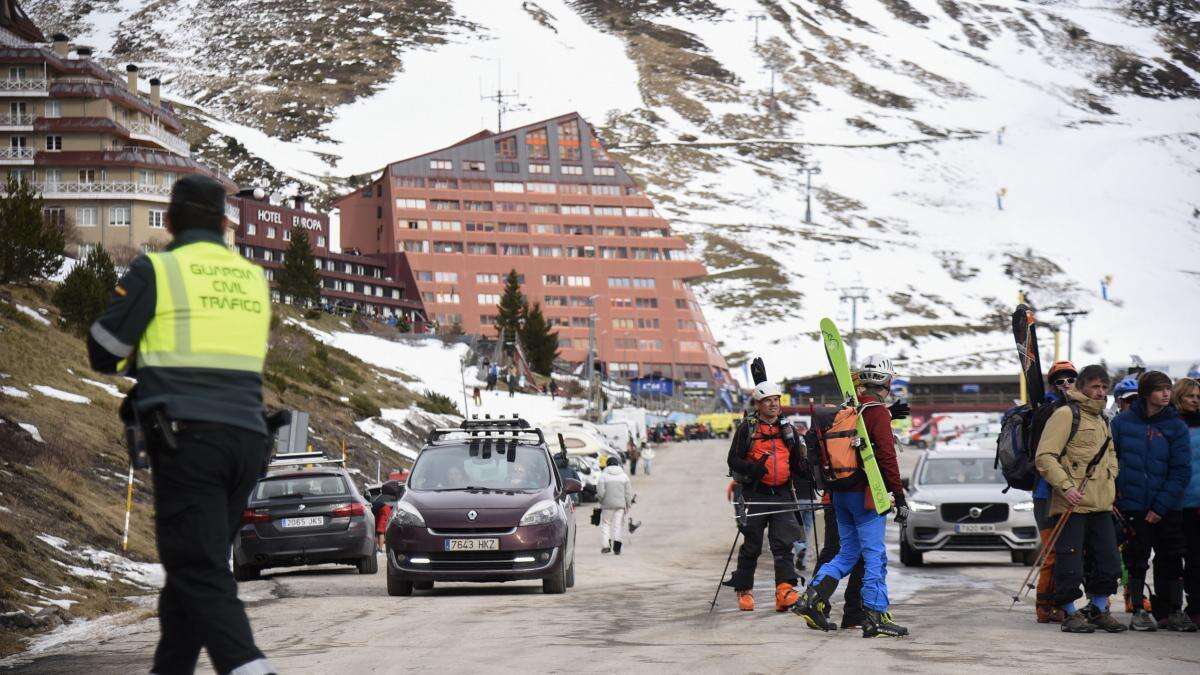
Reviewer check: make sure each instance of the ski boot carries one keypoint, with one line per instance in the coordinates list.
(815, 603)
(785, 596)
(616, 548)
(745, 601)
(880, 624)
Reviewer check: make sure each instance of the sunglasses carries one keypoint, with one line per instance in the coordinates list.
(1064, 381)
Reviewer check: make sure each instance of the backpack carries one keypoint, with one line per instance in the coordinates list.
(1020, 432)
(842, 461)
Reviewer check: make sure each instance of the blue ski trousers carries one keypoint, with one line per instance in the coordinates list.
(861, 533)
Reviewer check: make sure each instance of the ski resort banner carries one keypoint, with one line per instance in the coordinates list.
(655, 387)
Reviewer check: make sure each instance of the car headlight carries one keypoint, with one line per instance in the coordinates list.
(921, 507)
(405, 514)
(1023, 506)
(545, 511)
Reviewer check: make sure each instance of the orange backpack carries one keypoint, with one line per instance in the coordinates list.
(842, 460)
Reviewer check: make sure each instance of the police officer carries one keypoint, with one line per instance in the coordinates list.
(191, 325)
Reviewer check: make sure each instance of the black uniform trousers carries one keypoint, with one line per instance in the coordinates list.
(853, 610)
(782, 531)
(1091, 539)
(1165, 539)
(200, 491)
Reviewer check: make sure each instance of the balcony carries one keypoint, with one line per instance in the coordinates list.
(24, 87)
(106, 190)
(145, 131)
(16, 156)
(16, 122)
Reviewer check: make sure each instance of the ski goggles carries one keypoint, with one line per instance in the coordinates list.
(1064, 381)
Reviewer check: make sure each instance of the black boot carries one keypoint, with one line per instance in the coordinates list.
(880, 624)
(815, 603)
(617, 547)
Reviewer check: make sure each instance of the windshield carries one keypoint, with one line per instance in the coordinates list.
(453, 468)
(320, 485)
(960, 471)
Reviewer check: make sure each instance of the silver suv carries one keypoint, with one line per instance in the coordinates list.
(957, 504)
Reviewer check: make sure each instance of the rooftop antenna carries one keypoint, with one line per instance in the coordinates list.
(506, 101)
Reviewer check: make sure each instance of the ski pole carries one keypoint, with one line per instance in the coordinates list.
(713, 605)
(128, 509)
(1045, 552)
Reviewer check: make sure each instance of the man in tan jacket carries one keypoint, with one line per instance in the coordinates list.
(1076, 444)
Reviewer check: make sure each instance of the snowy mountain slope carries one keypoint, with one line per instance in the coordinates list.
(901, 102)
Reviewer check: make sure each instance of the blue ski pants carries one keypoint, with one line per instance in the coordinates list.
(861, 532)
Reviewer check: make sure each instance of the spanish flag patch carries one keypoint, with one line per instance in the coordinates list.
(120, 290)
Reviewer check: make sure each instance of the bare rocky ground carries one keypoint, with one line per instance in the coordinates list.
(648, 611)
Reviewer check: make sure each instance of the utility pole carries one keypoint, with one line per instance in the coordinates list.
(1069, 316)
(590, 364)
(756, 18)
(854, 294)
(502, 98)
(808, 171)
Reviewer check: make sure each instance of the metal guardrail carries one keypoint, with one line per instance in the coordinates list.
(102, 189)
(158, 133)
(15, 120)
(16, 154)
(13, 84)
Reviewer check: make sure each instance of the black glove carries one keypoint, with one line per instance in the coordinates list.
(901, 514)
(899, 409)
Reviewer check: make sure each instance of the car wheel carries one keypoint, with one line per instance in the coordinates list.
(423, 585)
(1026, 558)
(571, 575)
(557, 581)
(921, 445)
(368, 564)
(398, 586)
(908, 556)
(245, 572)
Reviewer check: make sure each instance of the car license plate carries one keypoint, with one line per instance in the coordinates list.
(969, 528)
(309, 521)
(472, 544)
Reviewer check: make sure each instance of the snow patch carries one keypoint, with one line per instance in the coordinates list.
(111, 389)
(13, 391)
(60, 394)
(33, 313)
(33, 431)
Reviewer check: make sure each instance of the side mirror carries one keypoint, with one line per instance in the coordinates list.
(572, 486)
(594, 454)
(904, 482)
(393, 488)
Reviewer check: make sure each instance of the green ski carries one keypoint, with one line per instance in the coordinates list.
(836, 351)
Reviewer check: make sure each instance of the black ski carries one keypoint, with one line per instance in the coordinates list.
(1024, 328)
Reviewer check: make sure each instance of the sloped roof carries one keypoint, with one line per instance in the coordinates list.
(14, 19)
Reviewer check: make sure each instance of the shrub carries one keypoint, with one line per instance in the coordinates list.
(440, 404)
(364, 406)
(84, 294)
(30, 246)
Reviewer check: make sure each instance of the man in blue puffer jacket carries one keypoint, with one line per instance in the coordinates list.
(1155, 467)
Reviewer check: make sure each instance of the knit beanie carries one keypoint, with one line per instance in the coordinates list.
(1150, 381)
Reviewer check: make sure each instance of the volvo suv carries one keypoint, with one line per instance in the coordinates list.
(485, 503)
(957, 503)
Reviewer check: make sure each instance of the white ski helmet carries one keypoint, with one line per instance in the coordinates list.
(876, 371)
(766, 390)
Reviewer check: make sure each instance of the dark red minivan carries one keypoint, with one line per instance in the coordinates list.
(484, 503)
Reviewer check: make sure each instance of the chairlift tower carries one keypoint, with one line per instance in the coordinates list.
(854, 294)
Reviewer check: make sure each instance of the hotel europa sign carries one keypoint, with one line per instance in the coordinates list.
(271, 216)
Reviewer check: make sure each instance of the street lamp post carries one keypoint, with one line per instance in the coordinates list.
(1069, 316)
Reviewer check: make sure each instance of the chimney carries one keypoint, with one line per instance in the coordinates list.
(83, 53)
(62, 45)
(298, 202)
(131, 72)
(155, 92)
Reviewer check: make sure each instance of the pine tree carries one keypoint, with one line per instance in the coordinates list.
(84, 294)
(539, 342)
(511, 310)
(30, 247)
(299, 277)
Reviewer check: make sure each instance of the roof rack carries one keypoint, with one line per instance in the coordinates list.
(501, 429)
(303, 460)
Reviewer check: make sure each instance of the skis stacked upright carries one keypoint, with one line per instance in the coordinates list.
(835, 350)
(1024, 328)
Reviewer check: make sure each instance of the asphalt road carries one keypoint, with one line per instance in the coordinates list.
(647, 610)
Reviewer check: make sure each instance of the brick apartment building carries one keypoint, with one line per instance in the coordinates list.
(102, 154)
(546, 200)
(348, 282)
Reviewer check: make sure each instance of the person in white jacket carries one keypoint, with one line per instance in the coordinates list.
(615, 494)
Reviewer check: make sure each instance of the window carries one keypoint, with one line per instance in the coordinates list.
(687, 324)
(487, 278)
(689, 346)
(619, 282)
(621, 302)
(85, 250)
(542, 228)
(168, 179)
(647, 254)
(443, 204)
(53, 178)
(554, 300)
(514, 249)
(581, 251)
(146, 177)
(650, 345)
(251, 229)
(604, 170)
(119, 216)
(647, 303)
(607, 190)
(443, 183)
(571, 189)
(548, 251)
(537, 144)
(441, 164)
(573, 170)
(287, 234)
(614, 252)
(543, 188)
(539, 168)
(481, 227)
(321, 241)
(554, 280)
(579, 301)
(270, 233)
(647, 323)
(410, 203)
(506, 148)
(426, 296)
(473, 165)
(367, 192)
(641, 282)
(408, 182)
(623, 323)
(468, 184)
(378, 211)
(488, 298)
(576, 209)
(510, 207)
(446, 277)
(639, 211)
(625, 343)
(568, 140)
(85, 216)
(677, 254)
(447, 247)
(52, 109)
(87, 175)
(416, 224)
(16, 73)
(416, 246)
(54, 215)
(158, 219)
(445, 225)
(680, 303)
(508, 186)
(557, 321)
(607, 210)
(522, 228)
(508, 167)
(447, 298)
(54, 142)
(577, 229)
(543, 208)
(477, 206)
(488, 319)
(476, 248)
(423, 275)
